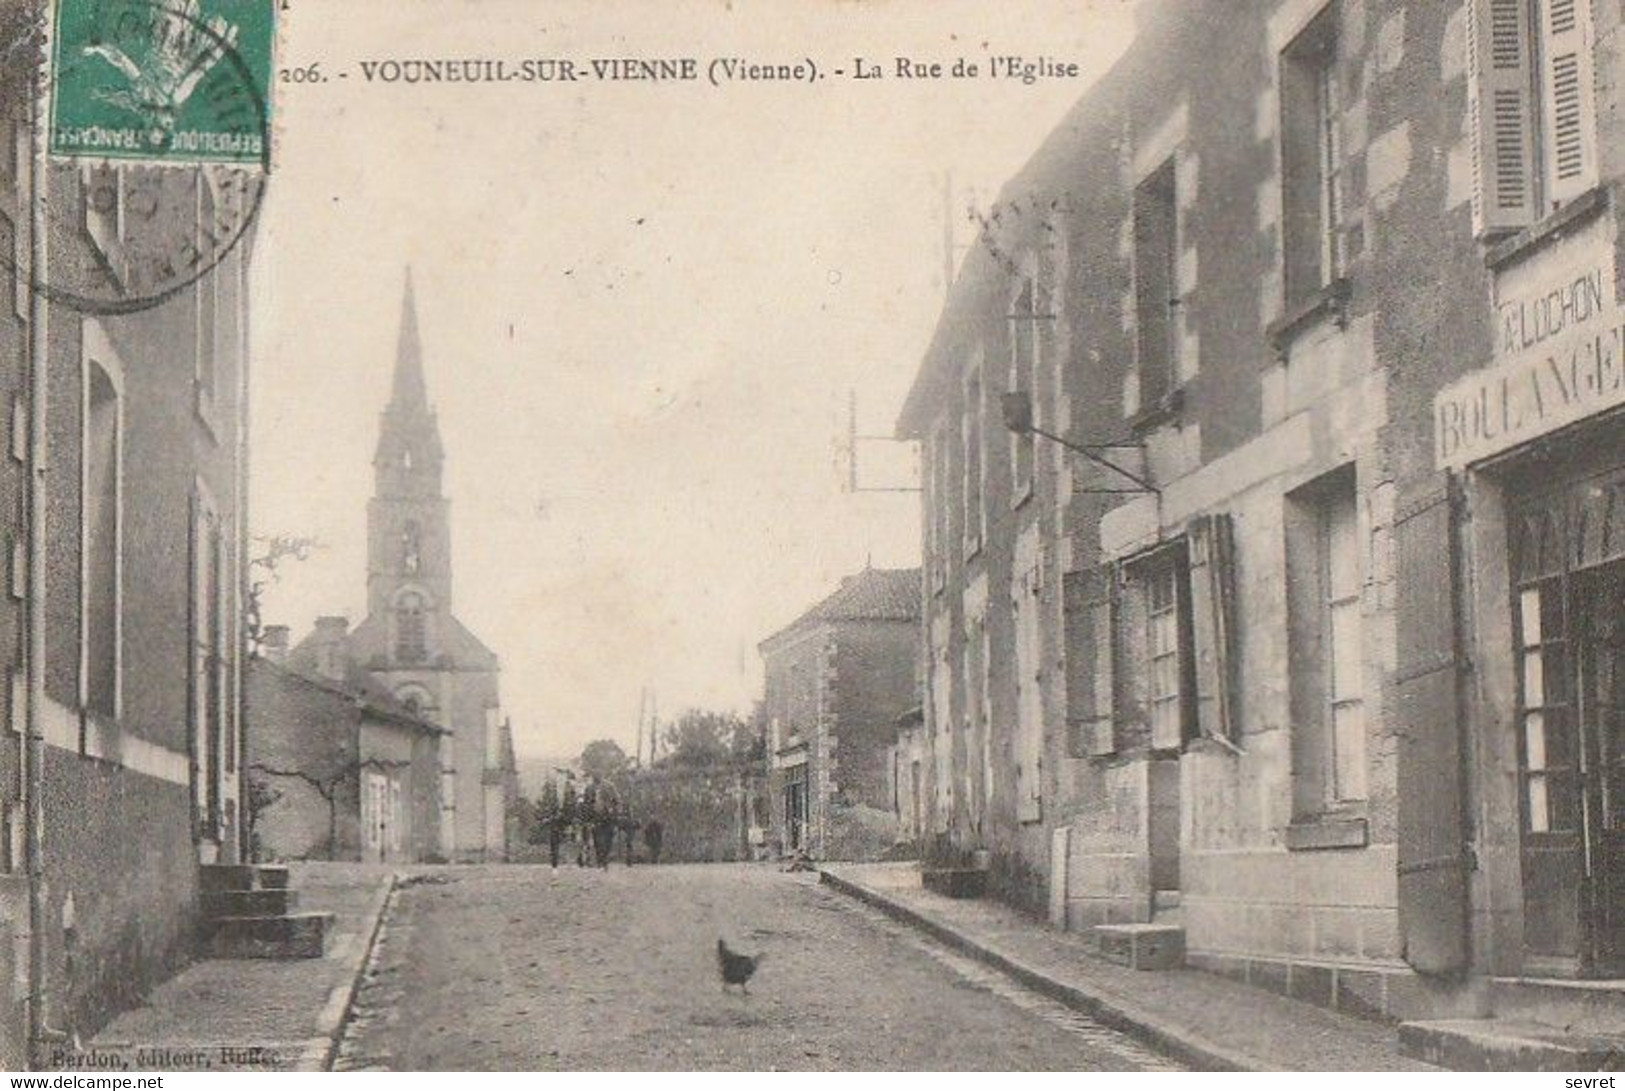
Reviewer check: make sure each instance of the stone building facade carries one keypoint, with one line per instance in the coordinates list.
(410, 641)
(1265, 660)
(338, 769)
(836, 680)
(139, 451)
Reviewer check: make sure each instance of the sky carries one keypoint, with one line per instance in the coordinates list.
(644, 308)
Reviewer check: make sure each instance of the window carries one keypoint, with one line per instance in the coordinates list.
(975, 510)
(1311, 161)
(1023, 323)
(1550, 801)
(411, 629)
(1156, 247)
(1345, 653)
(1326, 645)
(209, 661)
(100, 531)
(1157, 645)
(1163, 656)
(1532, 108)
(941, 498)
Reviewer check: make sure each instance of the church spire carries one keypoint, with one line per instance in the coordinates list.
(409, 455)
(410, 391)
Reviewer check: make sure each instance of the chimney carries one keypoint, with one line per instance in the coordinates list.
(332, 648)
(274, 643)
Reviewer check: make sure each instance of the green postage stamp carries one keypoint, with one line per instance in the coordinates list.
(166, 81)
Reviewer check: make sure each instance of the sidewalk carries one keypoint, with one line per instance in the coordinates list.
(259, 1014)
(1205, 1020)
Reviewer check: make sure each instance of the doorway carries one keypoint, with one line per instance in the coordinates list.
(1571, 654)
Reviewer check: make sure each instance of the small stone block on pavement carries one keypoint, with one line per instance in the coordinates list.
(1142, 946)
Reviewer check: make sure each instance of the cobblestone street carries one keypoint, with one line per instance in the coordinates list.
(525, 968)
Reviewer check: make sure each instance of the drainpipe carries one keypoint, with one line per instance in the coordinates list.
(34, 654)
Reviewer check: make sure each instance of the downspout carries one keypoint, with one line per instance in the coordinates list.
(34, 654)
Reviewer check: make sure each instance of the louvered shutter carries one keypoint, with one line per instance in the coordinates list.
(1088, 604)
(1501, 114)
(1211, 589)
(1568, 123)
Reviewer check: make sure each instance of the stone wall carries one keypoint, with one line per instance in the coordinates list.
(705, 813)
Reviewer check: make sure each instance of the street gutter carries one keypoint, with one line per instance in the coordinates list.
(1176, 1040)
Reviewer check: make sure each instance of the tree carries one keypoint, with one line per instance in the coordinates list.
(604, 759)
(274, 549)
(702, 737)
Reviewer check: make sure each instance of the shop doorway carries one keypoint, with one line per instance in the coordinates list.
(1570, 615)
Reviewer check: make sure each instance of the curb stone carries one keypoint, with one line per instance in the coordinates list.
(1178, 1040)
(340, 1008)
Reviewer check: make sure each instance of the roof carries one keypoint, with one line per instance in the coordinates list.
(875, 594)
(358, 688)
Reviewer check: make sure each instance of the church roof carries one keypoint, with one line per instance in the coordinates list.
(875, 594)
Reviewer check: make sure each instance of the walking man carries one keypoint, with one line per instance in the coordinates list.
(652, 831)
(629, 830)
(602, 816)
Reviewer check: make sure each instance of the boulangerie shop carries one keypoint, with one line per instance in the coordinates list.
(1536, 441)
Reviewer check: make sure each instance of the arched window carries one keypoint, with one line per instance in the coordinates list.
(411, 628)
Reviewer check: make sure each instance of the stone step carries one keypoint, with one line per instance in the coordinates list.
(1165, 899)
(1154, 946)
(270, 902)
(1577, 1007)
(1166, 908)
(290, 935)
(213, 878)
(1506, 1045)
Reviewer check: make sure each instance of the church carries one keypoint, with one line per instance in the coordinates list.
(410, 641)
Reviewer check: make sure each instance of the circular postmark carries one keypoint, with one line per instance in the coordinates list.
(157, 149)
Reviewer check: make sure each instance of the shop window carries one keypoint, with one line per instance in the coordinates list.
(1311, 161)
(1156, 248)
(1532, 108)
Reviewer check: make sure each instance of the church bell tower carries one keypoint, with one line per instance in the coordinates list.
(408, 532)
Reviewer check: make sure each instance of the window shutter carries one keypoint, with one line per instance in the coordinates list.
(1501, 115)
(1212, 589)
(1568, 122)
(1432, 830)
(1089, 676)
